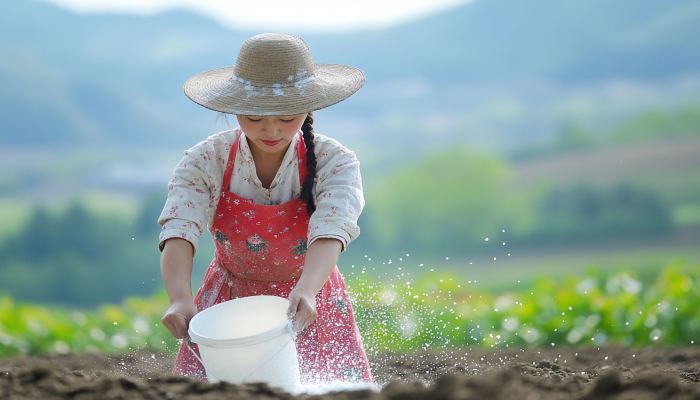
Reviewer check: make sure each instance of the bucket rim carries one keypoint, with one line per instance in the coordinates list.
(243, 341)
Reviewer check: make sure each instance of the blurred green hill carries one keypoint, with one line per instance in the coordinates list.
(71, 79)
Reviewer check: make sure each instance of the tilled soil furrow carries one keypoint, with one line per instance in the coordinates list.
(567, 373)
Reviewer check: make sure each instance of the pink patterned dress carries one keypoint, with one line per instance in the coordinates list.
(260, 250)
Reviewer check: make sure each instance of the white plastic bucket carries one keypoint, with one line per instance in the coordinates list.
(247, 340)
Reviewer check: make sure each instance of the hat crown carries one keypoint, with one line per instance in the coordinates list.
(274, 60)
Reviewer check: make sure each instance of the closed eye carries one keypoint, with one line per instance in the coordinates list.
(287, 120)
(254, 120)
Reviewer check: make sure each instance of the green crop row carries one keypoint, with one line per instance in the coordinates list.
(596, 309)
(409, 314)
(31, 329)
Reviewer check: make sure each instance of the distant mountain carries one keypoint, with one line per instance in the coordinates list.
(565, 40)
(70, 79)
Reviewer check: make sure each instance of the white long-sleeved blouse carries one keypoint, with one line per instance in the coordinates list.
(195, 189)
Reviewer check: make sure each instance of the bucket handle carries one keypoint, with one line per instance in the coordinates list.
(194, 353)
(292, 335)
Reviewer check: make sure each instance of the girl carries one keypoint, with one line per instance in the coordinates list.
(281, 202)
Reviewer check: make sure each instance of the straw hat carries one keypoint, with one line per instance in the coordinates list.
(274, 75)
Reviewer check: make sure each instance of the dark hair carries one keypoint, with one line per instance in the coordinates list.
(307, 195)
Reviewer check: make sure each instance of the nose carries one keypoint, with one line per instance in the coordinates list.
(269, 127)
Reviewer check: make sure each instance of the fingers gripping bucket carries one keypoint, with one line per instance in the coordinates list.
(247, 340)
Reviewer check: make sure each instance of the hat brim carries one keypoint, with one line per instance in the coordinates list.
(218, 90)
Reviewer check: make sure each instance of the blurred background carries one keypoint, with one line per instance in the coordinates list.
(500, 140)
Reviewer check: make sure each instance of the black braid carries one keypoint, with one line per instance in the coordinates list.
(307, 195)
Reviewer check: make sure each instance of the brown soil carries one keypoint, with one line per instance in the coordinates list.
(566, 373)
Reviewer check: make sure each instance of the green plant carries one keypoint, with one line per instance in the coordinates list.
(30, 329)
(427, 313)
(597, 309)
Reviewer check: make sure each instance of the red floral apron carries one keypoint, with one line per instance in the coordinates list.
(260, 250)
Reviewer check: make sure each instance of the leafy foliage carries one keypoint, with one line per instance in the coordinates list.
(78, 258)
(584, 211)
(32, 329)
(597, 309)
(442, 201)
(657, 124)
(436, 313)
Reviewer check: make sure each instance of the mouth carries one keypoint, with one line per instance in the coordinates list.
(271, 142)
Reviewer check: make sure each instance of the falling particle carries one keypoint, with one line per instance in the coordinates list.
(369, 259)
(504, 243)
(552, 344)
(115, 323)
(447, 258)
(495, 309)
(494, 259)
(508, 254)
(421, 265)
(487, 239)
(606, 357)
(570, 308)
(431, 270)
(504, 231)
(656, 338)
(471, 263)
(132, 238)
(365, 255)
(518, 281)
(634, 355)
(692, 341)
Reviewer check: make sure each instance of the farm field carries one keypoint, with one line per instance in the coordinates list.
(563, 373)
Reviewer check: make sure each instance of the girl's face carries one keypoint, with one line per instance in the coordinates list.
(271, 134)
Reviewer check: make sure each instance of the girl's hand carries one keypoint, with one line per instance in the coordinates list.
(177, 318)
(302, 309)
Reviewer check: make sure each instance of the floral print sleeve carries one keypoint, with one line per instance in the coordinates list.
(194, 190)
(337, 193)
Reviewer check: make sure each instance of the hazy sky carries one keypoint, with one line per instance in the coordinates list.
(314, 15)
